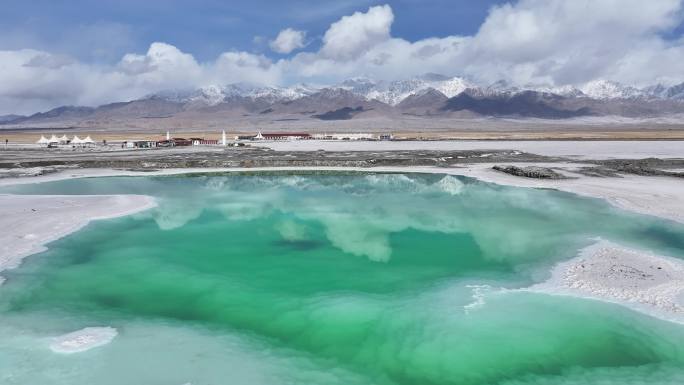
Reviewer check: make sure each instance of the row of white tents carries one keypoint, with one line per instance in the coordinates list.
(64, 140)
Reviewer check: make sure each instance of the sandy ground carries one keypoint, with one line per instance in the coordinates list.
(575, 149)
(652, 284)
(29, 222)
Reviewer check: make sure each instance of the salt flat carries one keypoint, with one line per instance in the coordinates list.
(577, 149)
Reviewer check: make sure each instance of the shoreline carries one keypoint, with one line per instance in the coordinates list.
(659, 196)
(33, 221)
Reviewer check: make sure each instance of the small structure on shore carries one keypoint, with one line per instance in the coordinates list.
(286, 136)
(282, 136)
(202, 141)
(145, 144)
(345, 136)
(182, 142)
(138, 143)
(43, 140)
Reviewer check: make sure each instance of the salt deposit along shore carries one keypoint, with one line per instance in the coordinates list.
(651, 195)
(29, 222)
(652, 284)
(571, 149)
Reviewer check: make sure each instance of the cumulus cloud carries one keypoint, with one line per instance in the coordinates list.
(566, 42)
(354, 35)
(288, 40)
(554, 42)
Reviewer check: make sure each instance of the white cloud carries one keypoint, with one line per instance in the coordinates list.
(46, 60)
(32, 80)
(353, 35)
(564, 41)
(532, 41)
(288, 40)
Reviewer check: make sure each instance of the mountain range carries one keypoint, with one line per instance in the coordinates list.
(425, 97)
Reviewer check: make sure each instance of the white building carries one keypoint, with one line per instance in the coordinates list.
(345, 136)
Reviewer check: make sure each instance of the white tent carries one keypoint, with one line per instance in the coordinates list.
(76, 140)
(64, 139)
(43, 140)
(88, 140)
(53, 139)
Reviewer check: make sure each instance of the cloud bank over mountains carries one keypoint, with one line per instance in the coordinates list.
(541, 42)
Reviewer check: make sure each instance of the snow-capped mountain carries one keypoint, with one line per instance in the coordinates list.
(426, 96)
(605, 89)
(597, 89)
(567, 91)
(453, 86)
(359, 86)
(391, 93)
(213, 94)
(394, 92)
(675, 92)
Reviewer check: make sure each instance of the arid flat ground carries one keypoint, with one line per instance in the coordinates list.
(31, 136)
(430, 129)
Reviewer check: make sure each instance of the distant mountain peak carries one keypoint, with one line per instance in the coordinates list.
(607, 89)
(424, 95)
(394, 92)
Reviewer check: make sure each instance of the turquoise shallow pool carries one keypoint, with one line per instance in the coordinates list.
(332, 279)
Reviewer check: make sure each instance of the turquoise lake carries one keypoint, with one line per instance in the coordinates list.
(349, 278)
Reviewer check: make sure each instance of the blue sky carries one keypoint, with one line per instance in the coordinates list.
(104, 30)
(78, 52)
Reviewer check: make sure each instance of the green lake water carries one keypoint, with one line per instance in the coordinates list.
(332, 279)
